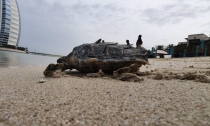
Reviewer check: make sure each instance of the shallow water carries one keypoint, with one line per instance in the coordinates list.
(16, 60)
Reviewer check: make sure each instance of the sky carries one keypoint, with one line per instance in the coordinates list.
(57, 26)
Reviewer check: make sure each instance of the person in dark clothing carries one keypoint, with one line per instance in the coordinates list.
(139, 42)
(127, 41)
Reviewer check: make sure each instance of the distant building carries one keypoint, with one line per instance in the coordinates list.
(10, 23)
(189, 47)
(182, 43)
(161, 52)
(198, 36)
(195, 39)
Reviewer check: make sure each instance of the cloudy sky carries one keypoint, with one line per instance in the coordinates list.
(57, 26)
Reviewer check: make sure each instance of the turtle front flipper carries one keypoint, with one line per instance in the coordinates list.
(55, 70)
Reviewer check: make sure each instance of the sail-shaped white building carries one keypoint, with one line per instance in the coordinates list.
(10, 23)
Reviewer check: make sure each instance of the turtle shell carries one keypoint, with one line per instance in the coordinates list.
(107, 56)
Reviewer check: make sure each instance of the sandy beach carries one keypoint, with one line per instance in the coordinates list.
(79, 100)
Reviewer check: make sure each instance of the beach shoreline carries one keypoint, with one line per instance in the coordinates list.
(79, 100)
(11, 50)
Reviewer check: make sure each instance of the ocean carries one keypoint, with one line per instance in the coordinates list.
(17, 60)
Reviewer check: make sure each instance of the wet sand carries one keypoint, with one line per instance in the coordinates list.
(78, 100)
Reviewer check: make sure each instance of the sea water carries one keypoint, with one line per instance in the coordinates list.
(16, 60)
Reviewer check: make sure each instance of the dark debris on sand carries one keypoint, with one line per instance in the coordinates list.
(187, 76)
(125, 75)
(130, 77)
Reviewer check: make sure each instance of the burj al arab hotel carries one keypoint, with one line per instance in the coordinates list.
(10, 23)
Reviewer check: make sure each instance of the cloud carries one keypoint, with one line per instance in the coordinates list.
(57, 26)
(63, 26)
(171, 13)
(46, 27)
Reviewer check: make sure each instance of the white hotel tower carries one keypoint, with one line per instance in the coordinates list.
(10, 23)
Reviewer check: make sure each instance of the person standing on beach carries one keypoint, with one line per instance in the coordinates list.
(139, 42)
(127, 41)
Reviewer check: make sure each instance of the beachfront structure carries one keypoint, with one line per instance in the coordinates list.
(10, 23)
(182, 43)
(195, 39)
(195, 43)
